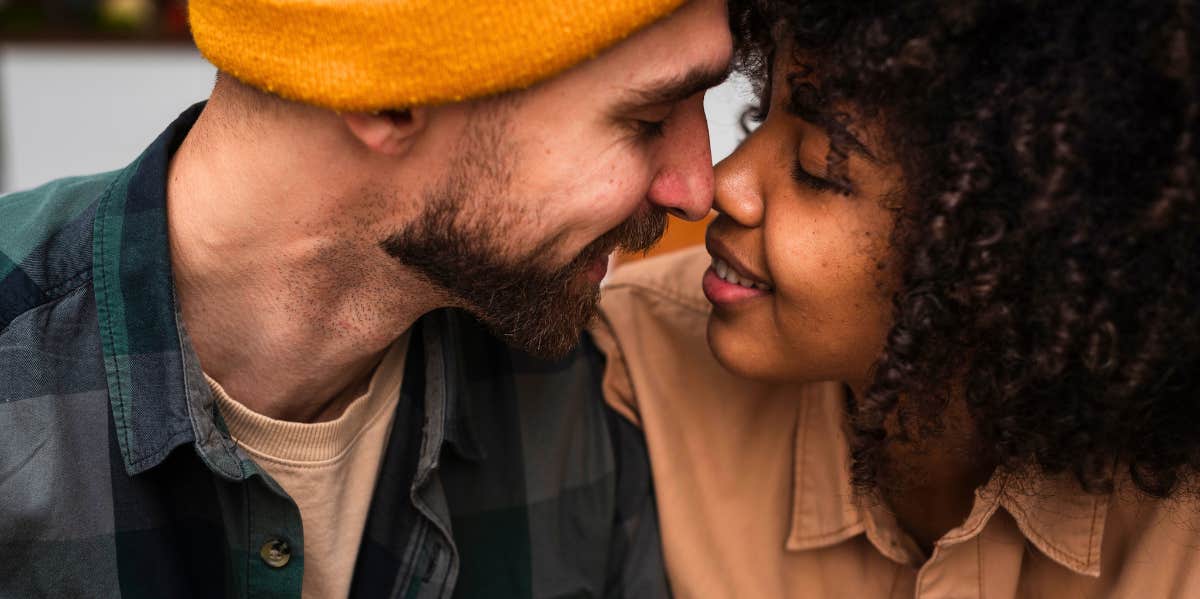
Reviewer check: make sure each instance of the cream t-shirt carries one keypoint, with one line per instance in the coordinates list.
(328, 468)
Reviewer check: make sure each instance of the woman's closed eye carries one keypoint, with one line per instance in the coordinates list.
(807, 179)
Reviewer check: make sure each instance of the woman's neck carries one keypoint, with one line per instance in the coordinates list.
(930, 481)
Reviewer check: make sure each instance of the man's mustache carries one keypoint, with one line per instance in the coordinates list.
(637, 234)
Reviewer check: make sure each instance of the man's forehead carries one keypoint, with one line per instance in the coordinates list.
(685, 53)
(675, 58)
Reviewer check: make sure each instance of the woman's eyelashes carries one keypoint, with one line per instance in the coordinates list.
(807, 179)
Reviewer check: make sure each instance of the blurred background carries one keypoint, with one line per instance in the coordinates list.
(85, 85)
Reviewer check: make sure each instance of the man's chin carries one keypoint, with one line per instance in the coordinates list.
(551, 343)
(550, 327)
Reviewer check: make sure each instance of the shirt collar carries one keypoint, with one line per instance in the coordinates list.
(446, 387)
(135, 299)
(825, 510)
(1063, 522)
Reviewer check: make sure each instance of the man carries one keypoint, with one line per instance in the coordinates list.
(271, 358)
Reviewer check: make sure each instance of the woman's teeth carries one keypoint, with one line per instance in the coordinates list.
(728, 274)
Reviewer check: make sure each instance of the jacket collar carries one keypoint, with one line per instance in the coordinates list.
(1062, 521)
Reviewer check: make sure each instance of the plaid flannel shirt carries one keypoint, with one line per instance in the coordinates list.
(503, 477)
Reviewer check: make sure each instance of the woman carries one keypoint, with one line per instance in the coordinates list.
(952, 309)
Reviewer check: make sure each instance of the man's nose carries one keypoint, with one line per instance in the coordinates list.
(683, 184)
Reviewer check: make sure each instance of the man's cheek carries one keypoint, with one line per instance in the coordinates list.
(620, 204)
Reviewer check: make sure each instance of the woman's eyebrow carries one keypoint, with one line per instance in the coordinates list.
(807, 103)
(856, 147)
(841, 137)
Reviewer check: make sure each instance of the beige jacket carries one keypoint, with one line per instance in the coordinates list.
(755, 500)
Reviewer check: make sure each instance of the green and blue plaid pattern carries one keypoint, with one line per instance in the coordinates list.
(504, 476)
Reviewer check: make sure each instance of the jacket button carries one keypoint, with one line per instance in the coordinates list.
(276, 553)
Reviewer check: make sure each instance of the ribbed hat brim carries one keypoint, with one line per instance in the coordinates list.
(354, 55)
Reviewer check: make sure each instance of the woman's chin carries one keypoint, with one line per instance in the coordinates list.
(739, 351)
(750, 353)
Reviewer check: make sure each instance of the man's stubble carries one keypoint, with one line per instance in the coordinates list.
(461, 243)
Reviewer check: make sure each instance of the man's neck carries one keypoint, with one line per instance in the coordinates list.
(287, 312)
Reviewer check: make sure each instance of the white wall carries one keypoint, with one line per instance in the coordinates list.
(69, 110)
(724, 105)
(77, 109)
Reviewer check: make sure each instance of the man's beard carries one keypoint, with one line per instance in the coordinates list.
(529, 302)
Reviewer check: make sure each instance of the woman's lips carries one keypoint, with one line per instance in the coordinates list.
(723, 285)
(728, 281)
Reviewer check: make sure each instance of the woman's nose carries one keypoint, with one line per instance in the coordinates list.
(738, 188)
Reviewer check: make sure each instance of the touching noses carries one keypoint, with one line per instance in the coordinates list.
(683, 184)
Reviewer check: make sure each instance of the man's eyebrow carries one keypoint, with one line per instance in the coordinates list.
(675, 88)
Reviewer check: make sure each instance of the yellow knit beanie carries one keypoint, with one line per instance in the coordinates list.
(366, 55)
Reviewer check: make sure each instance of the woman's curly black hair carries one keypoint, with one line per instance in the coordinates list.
(1049, 232)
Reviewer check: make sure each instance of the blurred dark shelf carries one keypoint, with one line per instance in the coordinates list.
(127, 22)
(68, 38)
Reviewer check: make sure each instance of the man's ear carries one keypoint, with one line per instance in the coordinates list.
(390, 132)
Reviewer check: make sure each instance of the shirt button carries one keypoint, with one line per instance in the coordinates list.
(276, 553)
